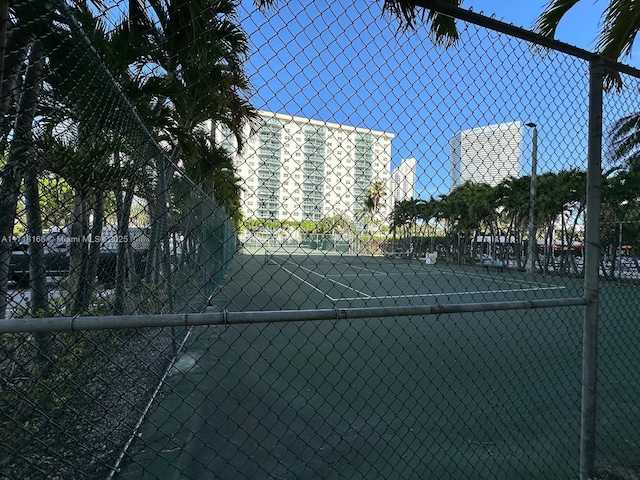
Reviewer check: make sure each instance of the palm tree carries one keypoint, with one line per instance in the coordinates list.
(513, 201)
(211, 167)
(620, 201)
(619, 25)
(60, 91)
(374, 195)
(470, 208)
(197, 50)
(560, 196)
(402, 217)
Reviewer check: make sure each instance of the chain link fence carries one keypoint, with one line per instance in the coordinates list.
(307, 243)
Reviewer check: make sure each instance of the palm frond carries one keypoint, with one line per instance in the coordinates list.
(618, 28)
(620, 25)
(442, 28)
(138, 19)
(547, 23)
(624, 141)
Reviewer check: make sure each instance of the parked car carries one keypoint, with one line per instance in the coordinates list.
(57, 246)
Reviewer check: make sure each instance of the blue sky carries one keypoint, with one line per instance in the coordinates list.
(579, 27)
(343, 62)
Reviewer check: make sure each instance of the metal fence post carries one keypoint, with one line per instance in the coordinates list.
(591, 274)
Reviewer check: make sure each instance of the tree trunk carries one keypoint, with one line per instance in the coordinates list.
(159, 264)
(95, 246)
(563, 243)
(17, 47)
(37, 269)
(79, 252)
(13, 172)
(89, 253)
(123, 213)
(156, 209)
(548, 258)
(4, 27)
(614, 258)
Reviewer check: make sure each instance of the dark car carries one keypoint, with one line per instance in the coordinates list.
(56, 256)
(57, 244)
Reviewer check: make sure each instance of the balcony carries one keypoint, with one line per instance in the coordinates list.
(270, 165)
(270, 184)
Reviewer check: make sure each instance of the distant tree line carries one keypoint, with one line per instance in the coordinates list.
(474, 210)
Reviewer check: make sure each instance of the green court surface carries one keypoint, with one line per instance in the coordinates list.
(299, 281)
(486, 395)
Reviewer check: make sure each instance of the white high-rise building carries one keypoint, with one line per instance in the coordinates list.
(402, 184)
(295, 168)
(487, 154)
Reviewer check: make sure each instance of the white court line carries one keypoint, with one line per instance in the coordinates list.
(421, 274)
(450, 294)
(535, 286)
(477, 276)
(324, 277)
(375, 272)
(309, 284)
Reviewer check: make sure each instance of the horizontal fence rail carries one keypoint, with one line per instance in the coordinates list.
(59, 324)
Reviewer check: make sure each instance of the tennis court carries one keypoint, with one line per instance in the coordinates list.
(323, 280)
(450, 396)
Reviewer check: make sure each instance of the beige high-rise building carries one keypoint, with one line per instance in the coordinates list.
(295, 168)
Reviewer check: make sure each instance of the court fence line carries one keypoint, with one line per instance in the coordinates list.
(119, 316)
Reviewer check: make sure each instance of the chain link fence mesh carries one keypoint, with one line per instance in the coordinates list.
(324, 248)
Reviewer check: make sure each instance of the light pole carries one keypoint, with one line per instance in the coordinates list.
(533, 244)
